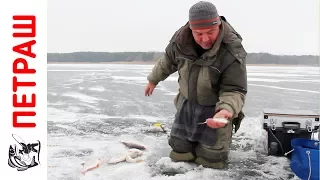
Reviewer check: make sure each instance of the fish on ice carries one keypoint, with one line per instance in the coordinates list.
(90, 165)
(134, 145)
(130, 156)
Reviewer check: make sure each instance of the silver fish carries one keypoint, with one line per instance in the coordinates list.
(221, 120)
(134, 145)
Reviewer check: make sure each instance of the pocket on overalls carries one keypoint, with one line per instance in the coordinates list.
(219, 151)
(223, 138)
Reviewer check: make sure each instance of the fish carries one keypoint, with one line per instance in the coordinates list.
(134, 145)
(221, 120)
(90, 165)
(130, 157)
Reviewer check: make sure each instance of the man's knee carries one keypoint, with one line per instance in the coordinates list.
(212, 153)
(220, 150)
(211, 157)
(182, 149)
(180, 145)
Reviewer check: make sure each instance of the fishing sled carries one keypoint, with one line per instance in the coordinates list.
(283, 126)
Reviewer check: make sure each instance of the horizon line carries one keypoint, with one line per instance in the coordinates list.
(163, 52)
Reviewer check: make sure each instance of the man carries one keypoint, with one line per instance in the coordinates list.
(210, 59)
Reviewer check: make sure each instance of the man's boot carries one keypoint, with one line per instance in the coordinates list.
(177, 157)
(213, 165)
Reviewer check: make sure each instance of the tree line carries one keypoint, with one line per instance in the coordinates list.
(100, 57)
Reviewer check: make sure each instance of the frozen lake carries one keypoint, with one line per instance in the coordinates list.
(91, 107)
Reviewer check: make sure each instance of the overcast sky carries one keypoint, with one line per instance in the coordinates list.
(274, 26)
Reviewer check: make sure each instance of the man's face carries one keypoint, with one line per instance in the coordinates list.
(206, 37)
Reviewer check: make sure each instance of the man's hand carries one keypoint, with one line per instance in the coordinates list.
(149, 89)
(221, 114)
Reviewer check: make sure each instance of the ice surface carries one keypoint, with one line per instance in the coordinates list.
(92, 107)
(289, 89)
(97, 88)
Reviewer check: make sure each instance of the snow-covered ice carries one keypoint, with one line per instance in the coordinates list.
(92, 107)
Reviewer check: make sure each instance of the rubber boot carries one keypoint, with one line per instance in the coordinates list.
(176, 157)
(213, 165)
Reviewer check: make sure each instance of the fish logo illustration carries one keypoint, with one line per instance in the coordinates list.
(23, 156)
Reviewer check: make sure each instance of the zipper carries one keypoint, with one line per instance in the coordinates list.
(192, 64)
(189, 71)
